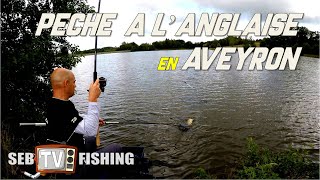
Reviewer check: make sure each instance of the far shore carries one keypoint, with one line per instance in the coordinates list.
(106, 52)
(125, 51)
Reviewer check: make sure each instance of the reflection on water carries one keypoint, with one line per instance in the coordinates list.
(277, 108)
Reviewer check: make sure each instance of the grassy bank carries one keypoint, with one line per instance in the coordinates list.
(261, 163)
(311, 55)
(19, 139)
(257, 163)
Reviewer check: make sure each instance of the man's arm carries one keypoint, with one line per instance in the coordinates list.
(90, 123)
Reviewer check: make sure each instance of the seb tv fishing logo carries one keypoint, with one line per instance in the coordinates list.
(54, 158)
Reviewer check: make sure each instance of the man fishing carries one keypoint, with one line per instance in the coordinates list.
(65, 125)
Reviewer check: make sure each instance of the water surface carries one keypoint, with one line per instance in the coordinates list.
(277, 108)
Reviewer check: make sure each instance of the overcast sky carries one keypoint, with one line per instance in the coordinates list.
(128, 9)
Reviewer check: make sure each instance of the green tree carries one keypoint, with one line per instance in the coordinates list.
(128, 46)
(27, 61)
(308, 40)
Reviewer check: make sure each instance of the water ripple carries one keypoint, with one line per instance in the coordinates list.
(277, 108)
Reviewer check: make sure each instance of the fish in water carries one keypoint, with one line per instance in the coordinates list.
(186, 126)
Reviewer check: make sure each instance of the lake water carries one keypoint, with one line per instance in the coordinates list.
(277, 108)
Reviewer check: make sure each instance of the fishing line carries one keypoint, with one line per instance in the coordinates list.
(146, 123)
(188, 84)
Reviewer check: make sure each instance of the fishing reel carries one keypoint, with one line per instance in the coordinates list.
(103, 83)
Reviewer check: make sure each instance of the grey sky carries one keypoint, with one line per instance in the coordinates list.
(127, 11)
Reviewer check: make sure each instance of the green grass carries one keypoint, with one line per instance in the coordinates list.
(311, 55)
(261, 163)
(257, 43)
(201, 173)
(11, 141)
(8, 171)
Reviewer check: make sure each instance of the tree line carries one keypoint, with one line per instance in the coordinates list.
(305, 38)
(26, 63)
(308, 40)
(170, 44)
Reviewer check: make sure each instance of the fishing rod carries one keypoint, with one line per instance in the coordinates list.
(102, 80)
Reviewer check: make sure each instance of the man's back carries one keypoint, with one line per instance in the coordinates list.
(63, 118)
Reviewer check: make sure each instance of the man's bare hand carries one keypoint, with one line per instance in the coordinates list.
(101, 122)
(94, 91)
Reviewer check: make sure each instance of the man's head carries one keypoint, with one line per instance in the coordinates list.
(63, 83)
